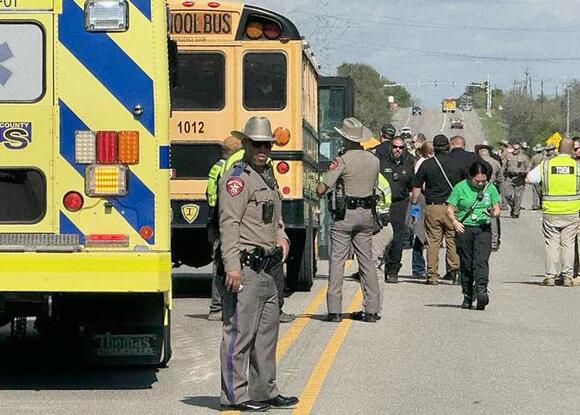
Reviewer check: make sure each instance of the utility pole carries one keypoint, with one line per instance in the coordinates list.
(567, 111)
(488, 103)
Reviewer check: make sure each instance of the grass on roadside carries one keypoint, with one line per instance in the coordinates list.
(492, 126)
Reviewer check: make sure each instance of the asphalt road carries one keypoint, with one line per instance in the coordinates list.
(426, 355)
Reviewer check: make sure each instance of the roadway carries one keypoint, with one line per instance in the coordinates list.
(426, 355)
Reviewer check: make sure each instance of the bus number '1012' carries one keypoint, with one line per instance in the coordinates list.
(8, 3)
(187, 127)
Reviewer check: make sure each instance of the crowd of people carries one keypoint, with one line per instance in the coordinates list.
(449, 197)
(442, 192)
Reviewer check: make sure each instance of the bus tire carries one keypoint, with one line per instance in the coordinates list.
(301, 261)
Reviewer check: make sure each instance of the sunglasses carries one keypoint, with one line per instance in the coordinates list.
(399, 147)
(260, 144)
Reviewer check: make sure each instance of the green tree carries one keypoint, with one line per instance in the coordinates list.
(370, 96)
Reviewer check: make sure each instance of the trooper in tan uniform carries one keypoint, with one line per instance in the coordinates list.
(253, 243)
(517, 165)
(359, 170)
(535, 161)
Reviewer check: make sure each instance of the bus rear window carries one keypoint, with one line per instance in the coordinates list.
(194, 161)
(21, 62)
(199, 82)
(22, 196)
(265, 81)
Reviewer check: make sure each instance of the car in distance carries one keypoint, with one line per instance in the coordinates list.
(456, 123)
(416, 110)
(406, 132)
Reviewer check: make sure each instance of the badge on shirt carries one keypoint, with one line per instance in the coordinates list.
(234, 186)
(333, 165)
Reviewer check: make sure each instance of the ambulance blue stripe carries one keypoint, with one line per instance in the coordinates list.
(164, 154)
(138, 207)
(112, 67)
(144, 7)
(69, 228)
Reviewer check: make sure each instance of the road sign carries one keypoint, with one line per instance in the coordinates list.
(5, 54)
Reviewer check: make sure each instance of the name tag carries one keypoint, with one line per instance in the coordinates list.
(562, 169)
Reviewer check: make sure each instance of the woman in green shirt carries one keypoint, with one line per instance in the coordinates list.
(471, 205)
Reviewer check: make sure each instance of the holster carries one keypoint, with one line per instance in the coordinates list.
(259, 261)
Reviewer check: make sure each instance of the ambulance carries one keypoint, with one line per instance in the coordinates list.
(84, 175)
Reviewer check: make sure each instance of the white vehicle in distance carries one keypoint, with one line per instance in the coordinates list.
(406, 132)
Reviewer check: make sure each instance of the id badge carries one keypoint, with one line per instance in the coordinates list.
(268, 212)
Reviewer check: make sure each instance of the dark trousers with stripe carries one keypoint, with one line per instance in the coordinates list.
(398, 213)
(474, 249)
(250, 336)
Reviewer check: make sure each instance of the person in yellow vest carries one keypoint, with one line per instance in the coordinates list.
(560, 181)
(231, 152)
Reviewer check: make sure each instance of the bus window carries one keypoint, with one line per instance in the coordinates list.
(23, 196)
(194, 161)
(200, 82)
(265, 81)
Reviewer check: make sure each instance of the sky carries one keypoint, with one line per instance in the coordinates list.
(453, 42)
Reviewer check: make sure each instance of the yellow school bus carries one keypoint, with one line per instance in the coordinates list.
(84, 175)
(235, 61)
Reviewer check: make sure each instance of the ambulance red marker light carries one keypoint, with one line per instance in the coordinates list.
(146, 232)
(73, 201)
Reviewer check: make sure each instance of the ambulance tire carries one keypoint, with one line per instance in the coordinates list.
(166, 352)
(301, 263)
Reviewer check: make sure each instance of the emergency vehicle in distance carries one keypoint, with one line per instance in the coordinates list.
(84, 175)
(236, 61)
(449, 105)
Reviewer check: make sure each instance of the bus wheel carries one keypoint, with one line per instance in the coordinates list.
(301, 261)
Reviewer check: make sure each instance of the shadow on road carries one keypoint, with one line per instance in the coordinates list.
(443, 305)
(36, 363)
(210, 402)
(191, 286)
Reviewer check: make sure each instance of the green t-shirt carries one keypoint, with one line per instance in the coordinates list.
(463, 197)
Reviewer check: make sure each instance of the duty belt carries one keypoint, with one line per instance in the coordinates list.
(362, 202)
(259, 261)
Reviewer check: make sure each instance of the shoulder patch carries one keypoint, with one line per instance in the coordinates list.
(234, 186)
(333, 165)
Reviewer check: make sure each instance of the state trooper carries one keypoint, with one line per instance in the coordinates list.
(253, 242)
(233, 153)
(517, 165)
(354, 224)
(535, 161)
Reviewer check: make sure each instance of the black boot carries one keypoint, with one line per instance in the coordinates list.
(482, 298)
(467, 303)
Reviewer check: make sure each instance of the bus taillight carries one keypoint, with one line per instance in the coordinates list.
(272, 30)
(254, 30)
(282, 167)
(282, 136)
(286, 190)
(213, 4)
(188, 4)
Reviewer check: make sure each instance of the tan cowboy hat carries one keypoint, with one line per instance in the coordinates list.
(537, 148)
(483, 144)
(353, 130)
(256, 129)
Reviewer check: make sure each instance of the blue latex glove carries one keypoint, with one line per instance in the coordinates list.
(415, 211)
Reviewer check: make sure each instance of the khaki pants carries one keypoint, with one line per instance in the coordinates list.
(354, 230)
(437, 227)
(560, 235)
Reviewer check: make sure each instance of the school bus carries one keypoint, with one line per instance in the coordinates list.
(235, 61)
(84, 175)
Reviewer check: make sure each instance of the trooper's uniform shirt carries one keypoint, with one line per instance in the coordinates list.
(359, 170)
(250, 210)
(516, 165)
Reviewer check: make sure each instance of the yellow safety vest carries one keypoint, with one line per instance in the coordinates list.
(384, 202)
(211, 192)
(560, 185)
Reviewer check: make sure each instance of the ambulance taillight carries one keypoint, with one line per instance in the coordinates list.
(107, 147)
(106, 180)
